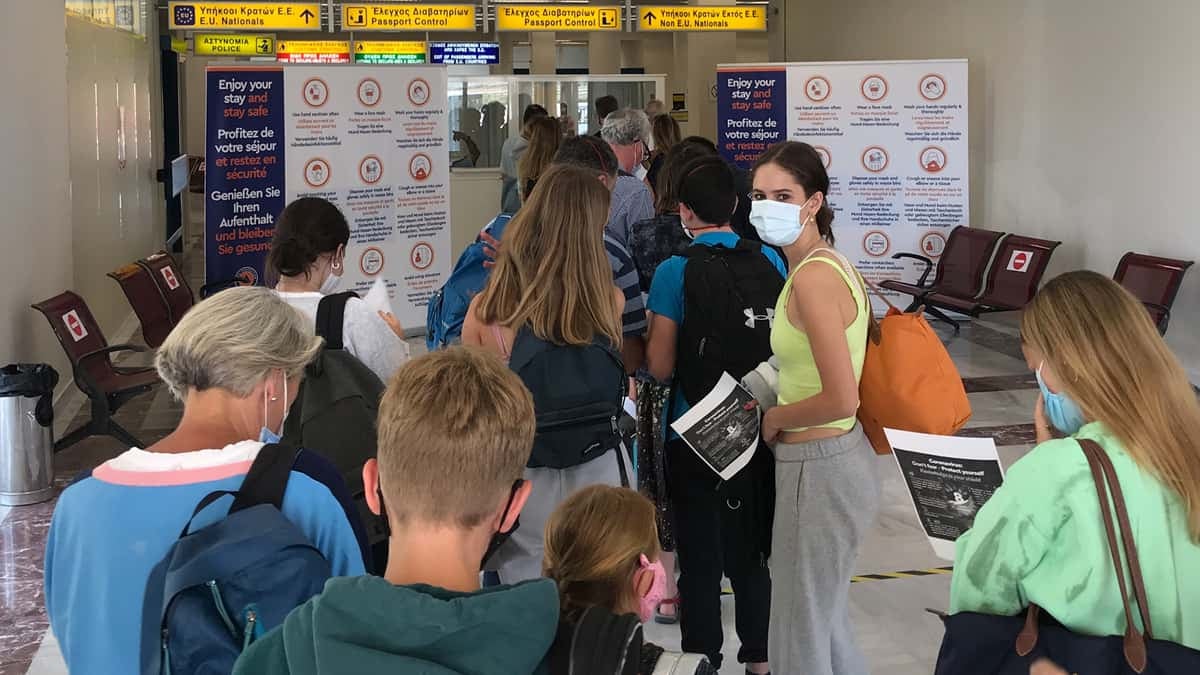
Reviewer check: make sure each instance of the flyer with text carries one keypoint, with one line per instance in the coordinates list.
(949, 479)
(722, 429)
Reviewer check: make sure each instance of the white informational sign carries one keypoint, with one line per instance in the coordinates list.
(949, 479)
(893, 138)
(371, 140)
(374, 141)
(722, 429)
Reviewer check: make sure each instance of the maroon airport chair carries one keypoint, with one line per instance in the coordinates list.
(1016, 272)
(147, 302)
(1155, 281)
(106, 385)
(961, 270)
(172, 284)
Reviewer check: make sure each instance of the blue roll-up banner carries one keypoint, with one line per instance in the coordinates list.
(244, 171)
(751, 112)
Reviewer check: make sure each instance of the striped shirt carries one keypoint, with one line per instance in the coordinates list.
(625, 277)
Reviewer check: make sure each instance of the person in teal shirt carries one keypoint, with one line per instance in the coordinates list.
(455, 431)
(1106, 375)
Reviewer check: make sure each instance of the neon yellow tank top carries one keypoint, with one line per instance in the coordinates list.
(798, 376)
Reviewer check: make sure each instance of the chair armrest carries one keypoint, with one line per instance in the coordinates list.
(1166, 315)
(918, 258)
(111, 349)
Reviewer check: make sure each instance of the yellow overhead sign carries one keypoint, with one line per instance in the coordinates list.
(245, 15)
(389, 47)
(408, 17)
(558, 17)
(702, 18)
(231, 44)
(313, 47)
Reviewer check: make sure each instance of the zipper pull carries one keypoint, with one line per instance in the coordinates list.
(251, 627)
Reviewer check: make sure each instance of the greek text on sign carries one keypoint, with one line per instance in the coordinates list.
(557, 17)
(389, 52)
(409, 17)
(241, 15)
(1019, 262)
(702, 18)
(313, 51)
(229, 44)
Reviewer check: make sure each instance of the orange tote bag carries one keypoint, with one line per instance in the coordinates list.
(908, 381)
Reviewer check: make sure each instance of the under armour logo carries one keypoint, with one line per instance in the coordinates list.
(752, 319)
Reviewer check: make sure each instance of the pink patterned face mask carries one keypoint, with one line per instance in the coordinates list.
(649, 603)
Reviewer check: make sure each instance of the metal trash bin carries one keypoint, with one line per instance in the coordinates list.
(26, 433)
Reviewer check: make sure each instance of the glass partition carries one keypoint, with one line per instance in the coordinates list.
(484, 111)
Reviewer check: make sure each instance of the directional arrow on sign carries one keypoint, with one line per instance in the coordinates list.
(307, 15)
(650, 18)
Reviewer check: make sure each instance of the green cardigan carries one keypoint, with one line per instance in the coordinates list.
(1040, 539)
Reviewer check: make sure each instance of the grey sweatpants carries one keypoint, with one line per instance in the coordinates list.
(826, 498)
(520, 559)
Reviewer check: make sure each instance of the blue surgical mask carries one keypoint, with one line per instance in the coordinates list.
(266, 435)
(777, 223)
(1062, 412)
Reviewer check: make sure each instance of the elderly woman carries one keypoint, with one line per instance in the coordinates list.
(236, 361)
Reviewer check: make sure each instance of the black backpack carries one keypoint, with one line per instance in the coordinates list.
(729, 297)
(598, 643)
(578, 395)
(335, 411)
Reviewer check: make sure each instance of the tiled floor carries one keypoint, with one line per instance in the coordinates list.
(899, 637)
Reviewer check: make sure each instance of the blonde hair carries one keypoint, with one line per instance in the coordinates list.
(1112, 361)
(456, 428)
(544, 136)
(552, 272)
(233, 341)
(594, 543)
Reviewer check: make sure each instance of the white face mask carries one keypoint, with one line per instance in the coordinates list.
(640, 172)
(777, 223)
(332, 280)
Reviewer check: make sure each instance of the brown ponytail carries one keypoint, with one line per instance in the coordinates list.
(594, 541)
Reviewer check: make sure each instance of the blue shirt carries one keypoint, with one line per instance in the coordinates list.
(666, 296)
(111, 528)
(631, 202)
(625, 277)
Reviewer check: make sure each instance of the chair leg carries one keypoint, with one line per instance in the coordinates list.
(912, 306)
(939, 314)
(118, 432)
(73, 437)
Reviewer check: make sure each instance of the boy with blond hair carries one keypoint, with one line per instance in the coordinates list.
(456, 429)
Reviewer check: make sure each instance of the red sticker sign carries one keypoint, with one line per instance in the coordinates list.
(168, 276)
(74, 325)
(1019, 262)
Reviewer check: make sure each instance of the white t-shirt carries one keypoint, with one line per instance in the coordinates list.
(364, 333)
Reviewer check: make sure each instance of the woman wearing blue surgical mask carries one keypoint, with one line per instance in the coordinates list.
(1107, 376)
(827, 492)
(308, 257)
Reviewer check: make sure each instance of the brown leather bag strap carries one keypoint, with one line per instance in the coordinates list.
(1135, 643)
(1131, 553)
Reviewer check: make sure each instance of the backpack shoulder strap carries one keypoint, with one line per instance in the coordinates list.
(267, 479)
(606, 643)
(525, 346)
(331, 315)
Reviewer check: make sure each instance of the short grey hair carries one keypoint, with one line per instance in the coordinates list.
(234, 340)
(625, 127)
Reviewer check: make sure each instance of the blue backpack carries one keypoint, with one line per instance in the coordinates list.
(220, 588)
(448, 306)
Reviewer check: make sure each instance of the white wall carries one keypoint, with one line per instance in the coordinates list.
(118, 213)
(36, 260)
(1083, 117)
